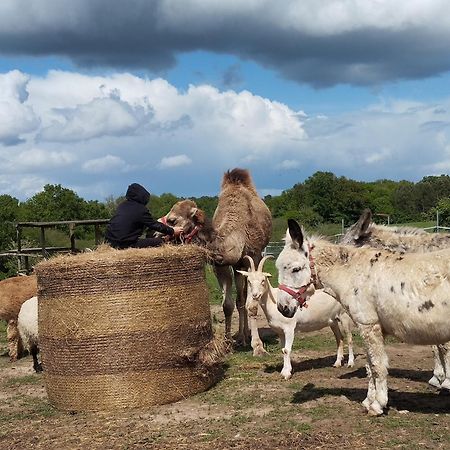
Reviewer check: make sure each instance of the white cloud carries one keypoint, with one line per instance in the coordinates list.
(35, 159)
(106, 164)
(171, 162)
(289, 164)
(16, 118)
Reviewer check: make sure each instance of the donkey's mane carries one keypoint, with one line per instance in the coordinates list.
(404, 231)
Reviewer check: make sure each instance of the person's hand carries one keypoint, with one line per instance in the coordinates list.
(177, 231)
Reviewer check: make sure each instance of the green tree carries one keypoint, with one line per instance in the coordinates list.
(9, 209)
(54, 203)
(443, 206)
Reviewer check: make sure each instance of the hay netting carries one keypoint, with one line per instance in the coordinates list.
(126, 328)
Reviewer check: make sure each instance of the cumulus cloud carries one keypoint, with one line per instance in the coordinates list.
(100, 117)
(106, 164)
(171, 162)
(35, 159)
(317, 42)
(289, 164)
(90, 127)
(16, 117)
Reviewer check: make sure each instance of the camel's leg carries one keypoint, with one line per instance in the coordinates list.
(223, 274)
(378, 362)
(256, 342)
(339, 343)
(287, 340)
(241, 295)
(15, 347)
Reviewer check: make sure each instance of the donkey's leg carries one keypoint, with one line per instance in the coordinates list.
(370, 398)
(223, 274)
(444, 351)
(287, 340)
(241, 295)
(346, 326)
(378, 361)
(351, 355)
(339, 343)
(439, 367)
(256, 342)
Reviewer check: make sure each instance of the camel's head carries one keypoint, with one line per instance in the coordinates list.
(294, 270)
(186, 214)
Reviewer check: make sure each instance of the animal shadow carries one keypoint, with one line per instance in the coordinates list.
(412, 375)
(307, 364)
(421, 402)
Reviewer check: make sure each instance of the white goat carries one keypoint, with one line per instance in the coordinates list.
(28, 329)
(385, 293)
(322, 311)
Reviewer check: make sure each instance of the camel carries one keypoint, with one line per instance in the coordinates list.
(241, 225)
(385, 293)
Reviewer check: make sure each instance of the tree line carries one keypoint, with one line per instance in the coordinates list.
(321, 198)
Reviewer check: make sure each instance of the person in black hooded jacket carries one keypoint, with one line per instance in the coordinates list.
(130, 219)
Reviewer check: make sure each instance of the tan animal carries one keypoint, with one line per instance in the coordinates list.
(13, 292)
(242, 225)
(385, 293)
(364, 233)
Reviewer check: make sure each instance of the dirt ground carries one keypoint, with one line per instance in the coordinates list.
(252, 407)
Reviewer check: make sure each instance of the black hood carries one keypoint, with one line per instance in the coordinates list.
(138, 193)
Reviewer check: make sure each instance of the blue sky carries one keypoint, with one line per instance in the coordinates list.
(173, 93)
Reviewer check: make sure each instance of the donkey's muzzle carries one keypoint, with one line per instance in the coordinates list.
(287, 311)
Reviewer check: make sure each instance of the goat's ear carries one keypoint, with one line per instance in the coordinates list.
(296, 233)
(267, 274)
(198, 216)
(242, 272)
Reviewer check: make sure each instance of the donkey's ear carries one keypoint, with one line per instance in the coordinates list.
(295, 231)
(363, 223)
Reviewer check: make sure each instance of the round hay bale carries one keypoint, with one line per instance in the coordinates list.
(125, 328)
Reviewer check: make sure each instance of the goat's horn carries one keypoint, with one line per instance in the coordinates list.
(261, 263)
(252, 263)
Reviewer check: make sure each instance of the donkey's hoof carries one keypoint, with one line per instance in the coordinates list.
(375, 409)
(446, 384)
(434, 381)
(337, 364)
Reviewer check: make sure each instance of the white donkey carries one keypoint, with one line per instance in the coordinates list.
(364, 233)
(385, 293)
(322, 311)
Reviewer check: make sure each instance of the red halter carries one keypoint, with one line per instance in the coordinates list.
(185, 239)
(299, 295)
